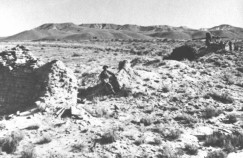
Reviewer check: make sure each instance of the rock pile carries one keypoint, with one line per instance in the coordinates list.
(26, 81)
(127, 81)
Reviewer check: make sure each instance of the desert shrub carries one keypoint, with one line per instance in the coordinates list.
(108, 137)
(170, 133)
(56, 155)
(229, 143)
(151, 62)
(139, 141)
(2, 126)
(10, 143)
(77, 71)
(165, 89)
(76, 54)
(228, 79)
(18, 135)
(216, 139)
(175, 133)
(125, 92)
(157, 141)
(168, 152)
(146, 121)
(44, 139)
(182, 52)
(79, 147)
(211, 112)
(217, 154)
(231, 118)
(101, 112)
(229, 109)
(241, 108)
(161, 53)
(191, 149)
(186, 119)
(28, 152)
(224, 97)
(32, 127)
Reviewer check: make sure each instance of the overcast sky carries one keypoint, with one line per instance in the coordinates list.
(20, 15)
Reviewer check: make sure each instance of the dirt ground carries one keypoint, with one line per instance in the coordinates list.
(188, 109)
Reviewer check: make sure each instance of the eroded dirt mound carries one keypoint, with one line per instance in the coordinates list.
(26, 81)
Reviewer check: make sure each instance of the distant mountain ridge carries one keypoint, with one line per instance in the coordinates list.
(73, 32)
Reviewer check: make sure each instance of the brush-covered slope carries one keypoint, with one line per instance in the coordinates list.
(227, 31)
(73, 32)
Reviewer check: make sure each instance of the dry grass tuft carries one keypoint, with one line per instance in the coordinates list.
(10, 143)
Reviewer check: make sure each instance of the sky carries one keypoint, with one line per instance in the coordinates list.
(20, 15)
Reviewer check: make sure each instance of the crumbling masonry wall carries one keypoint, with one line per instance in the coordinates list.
(26, 81)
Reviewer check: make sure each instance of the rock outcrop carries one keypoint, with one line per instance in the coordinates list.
(26, 81)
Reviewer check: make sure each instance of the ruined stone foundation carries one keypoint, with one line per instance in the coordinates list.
(26, 81)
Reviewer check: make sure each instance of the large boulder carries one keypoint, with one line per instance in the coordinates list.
(26, 81)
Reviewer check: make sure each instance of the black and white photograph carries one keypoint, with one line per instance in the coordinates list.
(121, 78)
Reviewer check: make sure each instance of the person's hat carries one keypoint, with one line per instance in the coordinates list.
(105, 67)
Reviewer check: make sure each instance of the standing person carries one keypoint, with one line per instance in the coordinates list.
(105, 77)
(222, 45)
(230, 45)
(208, 39)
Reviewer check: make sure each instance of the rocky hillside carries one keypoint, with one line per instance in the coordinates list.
(73, 32)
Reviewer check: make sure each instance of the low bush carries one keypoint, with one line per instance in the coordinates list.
(191, 149)
(165, 89)
(139, 141)
(44, 139)
(211, 112)
(231, 118)
(186, 119)
(79, 147)
(76, 54)
(168, 152)
(224, 97)
(229, 143)
(28, 152)
(108, 137)
(170, 133)
(146, 121)
(10, 143)
(216, 154)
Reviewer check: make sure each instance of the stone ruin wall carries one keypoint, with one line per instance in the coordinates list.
(26, 81)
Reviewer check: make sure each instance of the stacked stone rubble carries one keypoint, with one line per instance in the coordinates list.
(26, 81)
(58, 88)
